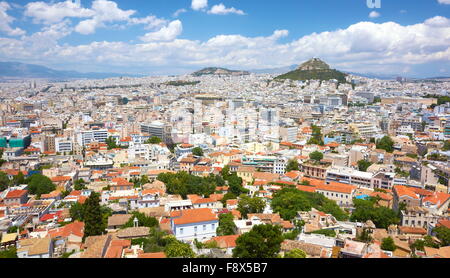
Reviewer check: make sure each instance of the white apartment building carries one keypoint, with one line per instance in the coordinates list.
(63, 145)
(349, 176)
(85, 137)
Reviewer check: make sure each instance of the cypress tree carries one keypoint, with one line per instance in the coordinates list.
(93, 219)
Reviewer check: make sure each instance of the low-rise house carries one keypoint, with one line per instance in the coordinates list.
(117, 220)
(133, 233)
(226, 242)
(311, 250)
(245, 225)
(190, 224)
(341, 193)
(16, 197)
(35, 248)
(71, 236)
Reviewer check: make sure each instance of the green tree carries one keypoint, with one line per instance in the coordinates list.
(288, 201)
(388, 244)
(177, 249)
(143, 220)
(111, 142)
(364, 236)
(386, 144)
(248, 205)
(39, 184)
(4, 181)
(316, 138)
(330, 233)
(263, 241)
(317, 156)
(153, 140)
(295, 254)
(365, 210)
(197, 151)
(19, 179)
(79, 184)
(77, 212)
(183, 183)
(363, 165)
(93, 218)
(292, 165)
(421, 243)
(226, 225)
(445, 148)
(443, 234)
(1, 155)
(10, 253)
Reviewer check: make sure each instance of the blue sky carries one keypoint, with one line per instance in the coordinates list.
(405, 37)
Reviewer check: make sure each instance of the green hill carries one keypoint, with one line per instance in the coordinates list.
(219, 71)
(314, 69)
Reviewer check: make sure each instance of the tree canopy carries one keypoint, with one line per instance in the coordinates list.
(178, 249)
(143, 220)
(292, 165)
(263, 241)
(388, 244)
(39, 184)
(386, 144)
(288, 201)
(93, 217)
(295, 254)
(153, 140)
(4, 181)
(248, 205)
(184, 184)
(197, 151)
(443, 234)
(363, 165)
(317, 156)
(226, 225)
(365, 210)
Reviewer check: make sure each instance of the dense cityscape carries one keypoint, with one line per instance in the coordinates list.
(189, 166)
(302, 162)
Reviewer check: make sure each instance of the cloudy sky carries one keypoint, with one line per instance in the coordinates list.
(404, 37)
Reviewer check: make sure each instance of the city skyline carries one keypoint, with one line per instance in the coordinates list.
(409, 38)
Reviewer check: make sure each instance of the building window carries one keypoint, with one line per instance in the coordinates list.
(204, 227)
(181, 231)
(195, 229)
(213, 226)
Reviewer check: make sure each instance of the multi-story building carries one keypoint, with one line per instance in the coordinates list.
(349, 176)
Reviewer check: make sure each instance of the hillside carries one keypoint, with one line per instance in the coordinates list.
(314, 69)
(20, 70)
(219, 71)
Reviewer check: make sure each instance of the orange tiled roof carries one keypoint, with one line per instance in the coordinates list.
(16, 194)
(195, 216)
(337, 187)
(159, 255)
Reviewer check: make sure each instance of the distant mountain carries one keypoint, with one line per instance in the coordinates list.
(219, 71)
(19, 70)
(314, 69)
(274, 70)
(374, 75)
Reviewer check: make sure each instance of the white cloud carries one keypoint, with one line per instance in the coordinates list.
(222, 10)
(446, 2)
(362, 47)
(374, 14)
(104, 11)
(199, 4)
(167, 33)
(42, 12)
(6, 20)
(178, 12)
